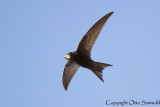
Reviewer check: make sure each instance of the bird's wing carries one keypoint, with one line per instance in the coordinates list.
(69, 71)
(90, 37)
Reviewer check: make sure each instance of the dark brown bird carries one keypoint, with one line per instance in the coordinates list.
(81, 57)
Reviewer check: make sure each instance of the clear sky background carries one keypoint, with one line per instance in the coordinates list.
(36, 34)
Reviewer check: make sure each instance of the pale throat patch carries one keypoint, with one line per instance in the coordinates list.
(67, 56)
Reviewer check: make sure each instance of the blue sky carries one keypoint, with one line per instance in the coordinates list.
(36, 34)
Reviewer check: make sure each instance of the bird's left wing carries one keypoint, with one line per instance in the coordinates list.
(69, 71)
(90, 37)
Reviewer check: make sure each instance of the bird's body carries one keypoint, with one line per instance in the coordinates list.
(81, 57)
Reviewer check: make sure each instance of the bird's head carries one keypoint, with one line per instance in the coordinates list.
(68, 56)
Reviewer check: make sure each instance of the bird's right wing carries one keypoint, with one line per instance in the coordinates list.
(90, 37)
(69, 71)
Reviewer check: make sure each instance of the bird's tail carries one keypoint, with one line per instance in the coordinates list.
(97, 68)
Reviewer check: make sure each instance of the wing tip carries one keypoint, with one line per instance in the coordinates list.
(110, 13)
(65, 86)
(64, 83)
(102, 80)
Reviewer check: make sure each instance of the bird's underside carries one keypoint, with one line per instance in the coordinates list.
(81, 57)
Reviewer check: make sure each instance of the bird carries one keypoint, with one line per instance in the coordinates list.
(82, 56)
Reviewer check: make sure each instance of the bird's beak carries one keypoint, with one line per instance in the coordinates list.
(67, 56)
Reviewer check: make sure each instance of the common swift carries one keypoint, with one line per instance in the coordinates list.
(82, 56)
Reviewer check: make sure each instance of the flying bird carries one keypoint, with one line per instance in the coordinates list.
(82, 56)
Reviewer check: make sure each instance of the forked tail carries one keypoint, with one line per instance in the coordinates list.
(97, 69)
